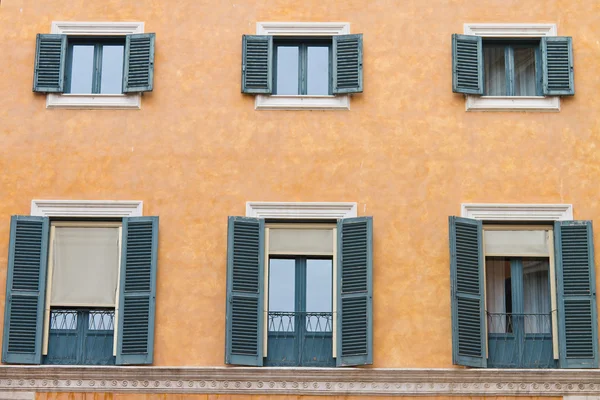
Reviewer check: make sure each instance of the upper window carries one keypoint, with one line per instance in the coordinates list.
(80, 292)
(286, 282)
(512, 67)
(523, 296)
(94, 64)
(303, 65)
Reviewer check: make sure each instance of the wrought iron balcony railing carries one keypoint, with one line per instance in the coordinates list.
(300, 338)
(520, 340)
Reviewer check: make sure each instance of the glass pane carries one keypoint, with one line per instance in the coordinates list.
(112, 69)
(282, 293)
(287, 70)
(499, 295)
(82, 68)
(525, 72)
(101, 320)
(536, 295)
(495, 71)
(318, 71)
(318, 295)
(63, 320)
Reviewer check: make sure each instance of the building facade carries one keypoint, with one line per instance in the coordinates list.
(267, 198)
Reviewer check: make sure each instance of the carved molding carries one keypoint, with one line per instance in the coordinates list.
(87, 208)
(517, 212)
(307, 210)
(302, 381)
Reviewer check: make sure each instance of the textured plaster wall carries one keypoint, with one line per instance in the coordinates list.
(407, 151)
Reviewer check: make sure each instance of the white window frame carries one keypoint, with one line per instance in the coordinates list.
(511, 103)
(302, 102)
(95, 101)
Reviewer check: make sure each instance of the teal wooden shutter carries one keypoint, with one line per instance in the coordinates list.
(557, 66)
(257, 64)
(466, 277)
(138, 72)
(467, 64)
(137, 290)
(576, 292)
(25, 290)
(245, 271)
(355, 291)
(49, 67)
(348, 63)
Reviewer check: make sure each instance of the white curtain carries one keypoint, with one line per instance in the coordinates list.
(536, 296)
(497, 279)
(525, 72)
(495, 71)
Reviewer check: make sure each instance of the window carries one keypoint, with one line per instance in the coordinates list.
(80, 292)
(512, 68)
(507, 67)
(523, 296)
(94, 64)
(302, 65)
(286, 282)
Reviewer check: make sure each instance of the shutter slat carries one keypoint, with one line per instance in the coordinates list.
(466, 260)
(347, 64)
(467, 64)
(138, 73)
(557, 66)
(355, 264)
(576, 294)
(257, 64)
(245, 268)
(26, 285)
(48, 76)
(138, 290)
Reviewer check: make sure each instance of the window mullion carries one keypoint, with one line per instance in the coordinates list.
(509, 63)
(97, 77)
(303, 50)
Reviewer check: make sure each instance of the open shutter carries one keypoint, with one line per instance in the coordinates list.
(257, 64)
(557, 66)
(138, 72)
(577, 327)
(49, 68)
(466, 276)
(355, 291)
(245, 271)
(467, 64)
(137, 291)
(348, 63)
(25, 290)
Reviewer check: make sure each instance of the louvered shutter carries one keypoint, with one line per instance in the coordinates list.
(25, 290)
(138, 72)
(466, 274)
(355, 291)
(557, 66)
(137, 291)
(348, 63)
(467, 64)
(49, 68)
(245, 271)
(575, 271)
(257, 64)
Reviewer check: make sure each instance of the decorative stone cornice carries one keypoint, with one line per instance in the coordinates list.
(300, 210)
(302, 381)
(87, 208)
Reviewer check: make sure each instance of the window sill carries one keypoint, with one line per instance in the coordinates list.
(508, 103)
(95, 101)
(266, 102)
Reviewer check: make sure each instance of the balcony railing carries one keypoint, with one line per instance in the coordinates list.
(300, 338)
(520, 340)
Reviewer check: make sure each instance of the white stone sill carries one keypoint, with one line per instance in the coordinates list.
(278, 102)
(94, 101)
(512, 103)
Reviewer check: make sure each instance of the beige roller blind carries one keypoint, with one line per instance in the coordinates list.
(85, 266)
(516, 243)
(300, 241)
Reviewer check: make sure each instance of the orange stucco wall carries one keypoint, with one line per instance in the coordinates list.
(407, 151)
